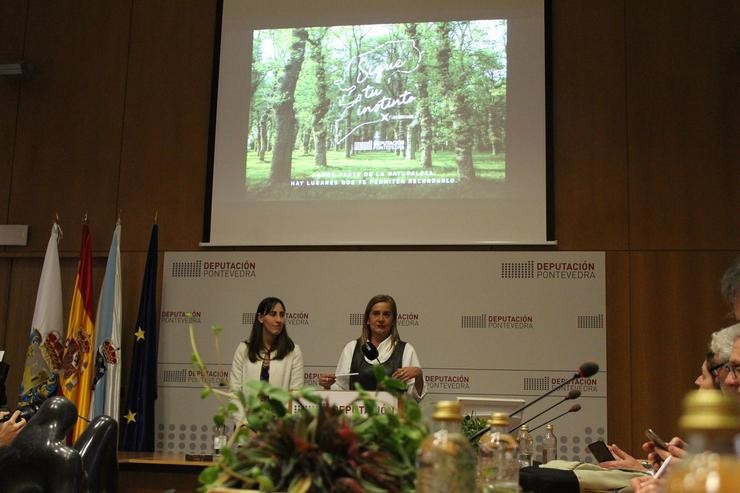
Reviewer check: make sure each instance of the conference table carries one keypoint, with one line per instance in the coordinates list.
(156, 472)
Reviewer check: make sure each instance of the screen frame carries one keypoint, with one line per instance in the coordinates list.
(550, 233)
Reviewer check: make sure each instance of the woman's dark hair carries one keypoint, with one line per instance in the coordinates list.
(283, 344)
(380, 298)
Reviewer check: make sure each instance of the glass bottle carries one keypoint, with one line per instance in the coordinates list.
(525, 446)
(445, 461)
(710, 423)
(549, 445)
(498, 467)
(219, 440)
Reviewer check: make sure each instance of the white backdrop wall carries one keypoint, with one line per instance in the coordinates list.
(489, 324)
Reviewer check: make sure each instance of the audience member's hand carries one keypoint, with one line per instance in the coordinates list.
(648, 484)
(10, 428)
(326, 380)
(623, 460)
(676, 448)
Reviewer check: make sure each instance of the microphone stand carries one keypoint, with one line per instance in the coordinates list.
(585, 370)
(573, 409)
(568, 397)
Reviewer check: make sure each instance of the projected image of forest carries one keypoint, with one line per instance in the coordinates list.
(378, 111)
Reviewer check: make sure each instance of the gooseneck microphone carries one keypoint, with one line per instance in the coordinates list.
(587, 369)
(573, 409)
(572, 395)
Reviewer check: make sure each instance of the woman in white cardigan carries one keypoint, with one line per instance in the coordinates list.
(269, 354)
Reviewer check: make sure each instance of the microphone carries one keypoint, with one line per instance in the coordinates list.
(572, 395)
(369, 350)
(573, 409)
(587, 369)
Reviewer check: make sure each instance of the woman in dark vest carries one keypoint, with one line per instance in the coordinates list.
(397, 357)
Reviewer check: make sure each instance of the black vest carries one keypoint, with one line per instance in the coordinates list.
(366, 376)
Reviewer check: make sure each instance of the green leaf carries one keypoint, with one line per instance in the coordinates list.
(255, 421)
(218, 419)
(278, 394)
(278, 407)
(265, 483)
(205, 392)
(209, 475)
(379, 373)
(412, 410)
(217, 329)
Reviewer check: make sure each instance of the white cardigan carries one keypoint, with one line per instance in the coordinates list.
(286, 373)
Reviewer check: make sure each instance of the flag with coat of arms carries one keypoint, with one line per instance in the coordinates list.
(78, 362)
(106, 385)
(45, 340)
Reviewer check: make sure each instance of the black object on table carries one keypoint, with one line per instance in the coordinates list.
(544, 480)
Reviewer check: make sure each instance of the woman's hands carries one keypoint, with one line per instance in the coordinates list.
(407, 373)
(326, 380)
(623, 460)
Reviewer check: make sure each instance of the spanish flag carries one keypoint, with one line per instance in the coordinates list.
(78, 362)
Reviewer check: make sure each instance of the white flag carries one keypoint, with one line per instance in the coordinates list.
(46, 340)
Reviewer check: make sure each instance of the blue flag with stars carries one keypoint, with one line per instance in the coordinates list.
(137, 422)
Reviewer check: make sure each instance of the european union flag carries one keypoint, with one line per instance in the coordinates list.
(137, 423)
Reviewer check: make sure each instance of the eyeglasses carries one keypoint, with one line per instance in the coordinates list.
(726, 368)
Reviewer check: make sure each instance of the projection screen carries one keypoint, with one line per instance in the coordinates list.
(380, 123)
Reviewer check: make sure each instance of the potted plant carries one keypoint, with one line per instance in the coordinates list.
(317, 447)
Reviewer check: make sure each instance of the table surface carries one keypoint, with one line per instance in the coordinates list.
(160, 458)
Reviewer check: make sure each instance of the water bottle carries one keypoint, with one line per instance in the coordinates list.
(525, 447)
(549, 445)
(219, 440)
(498, 467)
(445, 461)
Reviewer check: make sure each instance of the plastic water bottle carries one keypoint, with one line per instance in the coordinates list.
(445, 461)
(549, 445)
(525, 446)
(498, 467)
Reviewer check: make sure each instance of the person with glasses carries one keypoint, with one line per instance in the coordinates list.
(268, 354)
(726, 345)
(707, 378)
(398, 357)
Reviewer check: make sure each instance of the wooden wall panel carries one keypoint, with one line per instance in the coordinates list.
(684, 124)
(69, 124)
(164, 153)
(589, 125)
(4, 295)
(12, 23)
(675, 306)
(619, 364)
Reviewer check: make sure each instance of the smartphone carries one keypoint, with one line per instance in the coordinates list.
(653, 437)
(600, 451)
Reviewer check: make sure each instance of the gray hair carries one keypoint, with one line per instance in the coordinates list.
(722, 342)
(730, 283)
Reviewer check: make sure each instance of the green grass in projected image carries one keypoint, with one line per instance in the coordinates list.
(375, 175)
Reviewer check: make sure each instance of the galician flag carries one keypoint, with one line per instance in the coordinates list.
(107, 376)
(45, 341)
(78, 364)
